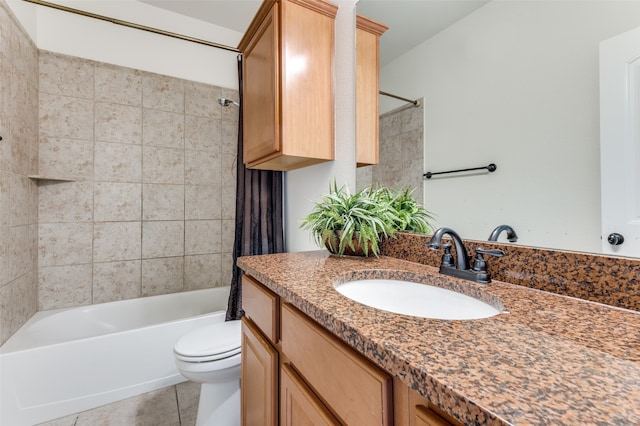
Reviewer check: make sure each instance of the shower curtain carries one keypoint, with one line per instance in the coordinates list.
(259, 223)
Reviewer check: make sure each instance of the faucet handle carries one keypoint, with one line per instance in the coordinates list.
(479, 264)
(447, 257)
(491, 252)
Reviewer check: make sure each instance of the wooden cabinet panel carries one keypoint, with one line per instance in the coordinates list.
(261, 94)
(357, 392)
(261, 306)
(368, 34)
(259, 378)
(298, 405)
(288, 104)
(427, 417)
(412, 409)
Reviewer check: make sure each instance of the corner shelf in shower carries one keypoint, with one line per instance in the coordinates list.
(51, 179)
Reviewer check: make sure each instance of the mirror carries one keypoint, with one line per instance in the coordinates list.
(515, 83)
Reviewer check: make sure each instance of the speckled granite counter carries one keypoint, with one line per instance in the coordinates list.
(546, 360)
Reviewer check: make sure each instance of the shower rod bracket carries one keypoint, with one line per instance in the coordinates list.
(491, 168)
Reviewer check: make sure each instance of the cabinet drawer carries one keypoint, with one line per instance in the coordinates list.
(358, 392)
(261, 306)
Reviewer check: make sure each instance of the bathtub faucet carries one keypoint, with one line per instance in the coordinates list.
(460, 267)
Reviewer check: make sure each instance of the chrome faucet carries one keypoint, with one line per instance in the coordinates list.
(511, 233)
(460, 268)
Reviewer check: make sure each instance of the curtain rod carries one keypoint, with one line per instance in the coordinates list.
(133, 25)
(415, 103)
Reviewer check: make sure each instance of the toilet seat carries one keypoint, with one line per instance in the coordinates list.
(210, 343)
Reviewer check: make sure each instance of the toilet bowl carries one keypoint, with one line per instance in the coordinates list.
(211, 355)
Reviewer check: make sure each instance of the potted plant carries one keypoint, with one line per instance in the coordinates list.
(354, 224)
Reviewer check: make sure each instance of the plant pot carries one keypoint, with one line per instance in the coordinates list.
(332, 243)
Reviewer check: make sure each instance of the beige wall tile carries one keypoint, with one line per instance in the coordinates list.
(162, 275)
(64, 286)
(163, 202)
(6, 272)
(115, 202)
(230, 113)
(202, 99)
(202, 168)
(203, 133)
(228, 203)
(22, 250)
(116, 162)
(5, 202)
(228, 235)
(65, 202)
(65, 117)
(226, 271)
(162, 92)
(18, 302)
(162, 239)
(229, 142)
(203, 202)
(67, 76)
(65, 243)
(118, 85)
(202, 237)
(228, 170)
(116, 241)
(162, 128)
(202, 271)
(65, 158)
(163, 165)
(118, 123)
(23, 198)
(117, 281)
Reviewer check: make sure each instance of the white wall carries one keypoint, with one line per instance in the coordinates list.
(89, 38)
(304, 186)
(515, 83)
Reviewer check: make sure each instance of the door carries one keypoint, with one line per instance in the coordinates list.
(620, 143)
(299, 406)
(259, 378)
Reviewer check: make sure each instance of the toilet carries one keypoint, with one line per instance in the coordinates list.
(211, 355)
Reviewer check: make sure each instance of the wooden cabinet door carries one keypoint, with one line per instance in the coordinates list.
(424, 416)
(298, 405)
(358, 392)
(368, 34)
(261, 94)
(259, 378)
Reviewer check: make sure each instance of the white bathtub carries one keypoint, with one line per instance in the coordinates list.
(69, 360)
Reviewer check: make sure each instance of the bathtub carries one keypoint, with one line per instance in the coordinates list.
(65, 361)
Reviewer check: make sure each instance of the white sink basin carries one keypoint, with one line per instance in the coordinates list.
(416, 299)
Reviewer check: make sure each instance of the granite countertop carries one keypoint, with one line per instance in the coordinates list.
(546, 359)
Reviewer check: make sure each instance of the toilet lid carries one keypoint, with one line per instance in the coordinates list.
(211, 342)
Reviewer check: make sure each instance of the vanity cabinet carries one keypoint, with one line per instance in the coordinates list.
(368, 34)
(288, 102)
(412, 409)
(294, 372)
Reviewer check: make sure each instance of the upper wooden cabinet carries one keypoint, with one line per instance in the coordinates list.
(368, 34)
(288, 102)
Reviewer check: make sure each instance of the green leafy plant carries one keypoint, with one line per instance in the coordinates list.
(354, 224)
(411, 216)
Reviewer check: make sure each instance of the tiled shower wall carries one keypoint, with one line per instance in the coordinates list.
(18, 159)
(401, 152)
(149, 205)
